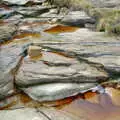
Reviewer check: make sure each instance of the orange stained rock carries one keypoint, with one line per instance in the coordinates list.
(35, 58)
(59, 104)
(23, 35)
(33, 23)
(14, 41)
(2, 22)
(91, 96)
(61, 29)
(18, 38)
(62, 54)
(13, 103)
(24, 98)
(5, 43)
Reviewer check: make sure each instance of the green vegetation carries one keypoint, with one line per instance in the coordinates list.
(107, 19)
(75, 4)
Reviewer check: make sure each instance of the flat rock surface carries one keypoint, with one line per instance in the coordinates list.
(56, 91)
(90, 45)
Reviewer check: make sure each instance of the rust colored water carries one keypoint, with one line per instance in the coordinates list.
(61, 29)
(19, 38)
(62, 54)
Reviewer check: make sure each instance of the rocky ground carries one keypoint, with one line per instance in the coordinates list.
(59, 61)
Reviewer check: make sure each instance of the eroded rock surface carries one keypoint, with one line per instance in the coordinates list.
(6, 32)
(56, 68)
(77, 18)
(63, 62)
(93, 46)
(54, 76)
(10, 57)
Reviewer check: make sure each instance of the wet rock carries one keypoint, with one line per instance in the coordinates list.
(77, 18)
(6, 32)
(56, 91)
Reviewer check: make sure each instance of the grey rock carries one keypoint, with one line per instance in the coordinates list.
(56, 91)
(77, 18)
(6, 84)
(56, 68)
(6, 31)
(10, 57)
(93, 46)
(41, 113)
(55, 76)
(22, 114)
(33, 11)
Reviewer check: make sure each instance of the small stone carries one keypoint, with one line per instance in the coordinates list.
(34, 51)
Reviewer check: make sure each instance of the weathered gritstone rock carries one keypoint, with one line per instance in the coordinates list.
(52, 67)
(6, 32)
(37, 114)
(34, 11)
(54, 76)
(94, 46)
(6, 84)
(54, 114)
(56, 91)
(22, 114)
(10, 57)
(77, 18)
